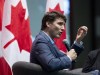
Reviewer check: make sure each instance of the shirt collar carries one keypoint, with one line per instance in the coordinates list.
(49, 37)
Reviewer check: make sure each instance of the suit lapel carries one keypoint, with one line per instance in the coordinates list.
(52, 47)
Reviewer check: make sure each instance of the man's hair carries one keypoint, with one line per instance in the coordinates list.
(51, 17)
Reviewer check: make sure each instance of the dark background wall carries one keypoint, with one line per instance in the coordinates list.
(97, 23)
(86, 12)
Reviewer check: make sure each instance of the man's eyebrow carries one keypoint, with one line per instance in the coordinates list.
(61, 22)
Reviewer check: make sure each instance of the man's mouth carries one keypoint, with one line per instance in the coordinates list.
(60, 33)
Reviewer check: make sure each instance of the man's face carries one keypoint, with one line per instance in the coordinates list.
(56, 28)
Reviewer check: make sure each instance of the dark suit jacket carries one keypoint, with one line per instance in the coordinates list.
(48, 55)
(92, 62)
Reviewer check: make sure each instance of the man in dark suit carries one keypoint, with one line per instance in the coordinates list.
(92, 63)
(44, 51)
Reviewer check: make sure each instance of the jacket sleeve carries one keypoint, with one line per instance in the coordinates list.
(78, 49)
(48, 60)
(90, 64)
(87, 67)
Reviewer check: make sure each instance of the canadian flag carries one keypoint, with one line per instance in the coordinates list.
(62, 7)
(15, 39)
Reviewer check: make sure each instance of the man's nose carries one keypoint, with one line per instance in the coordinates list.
(63, 27)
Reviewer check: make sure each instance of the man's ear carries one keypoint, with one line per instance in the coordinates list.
(48, 24)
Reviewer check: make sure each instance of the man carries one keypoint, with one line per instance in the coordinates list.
(45, 52)
(92, 63)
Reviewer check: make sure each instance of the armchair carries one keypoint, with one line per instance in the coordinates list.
(27, 68)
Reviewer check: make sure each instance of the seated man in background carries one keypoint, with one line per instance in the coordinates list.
(92, 63)
(44, 51)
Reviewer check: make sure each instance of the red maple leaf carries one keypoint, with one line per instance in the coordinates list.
(57, 8)
(58, 41)
(1, 13)
(20, 28)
